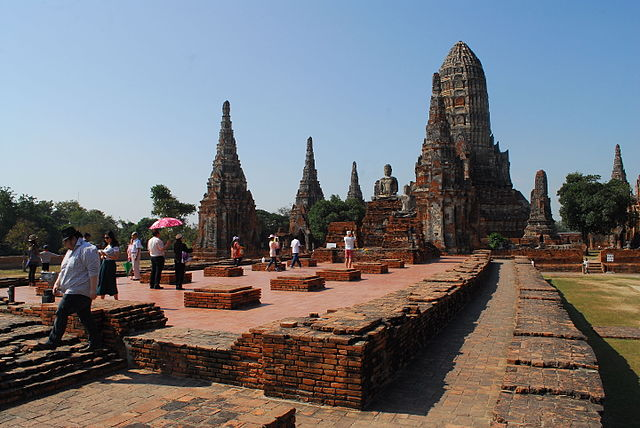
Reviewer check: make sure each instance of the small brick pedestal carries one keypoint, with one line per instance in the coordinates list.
(224, 271)
(297, 283)
(41, 286)
(308, 262)
(340, 274)
(393, 263)
(222, 297)
(371, 267)
(263, 266)
(167, 278)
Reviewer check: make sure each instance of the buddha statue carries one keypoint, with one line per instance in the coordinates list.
(387, 186)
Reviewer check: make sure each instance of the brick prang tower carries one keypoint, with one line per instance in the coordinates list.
(618, 172)
(228, 208)
(492, 204)
(540, 222)
(308, 194)
(354, 188)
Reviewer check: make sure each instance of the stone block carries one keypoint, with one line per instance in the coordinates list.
(340, 274)
(222, 297)
(371, 267)
(166, 278)
(223, 271)
(393, 263)
(297, 283)
(261, 267)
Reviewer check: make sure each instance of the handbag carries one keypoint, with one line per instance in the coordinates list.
(127, 267)
(186, 257)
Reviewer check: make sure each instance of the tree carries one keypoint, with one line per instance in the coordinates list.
(19, 233)
(497, 241)
(7, 213)
(166, 205)
(333, 209)
(590, 206)
(272, 222)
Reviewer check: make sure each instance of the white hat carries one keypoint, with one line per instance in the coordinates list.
(272, 236)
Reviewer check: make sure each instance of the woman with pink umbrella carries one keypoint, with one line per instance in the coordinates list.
(157, 248)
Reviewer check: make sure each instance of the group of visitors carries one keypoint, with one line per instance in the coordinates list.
(35, 258)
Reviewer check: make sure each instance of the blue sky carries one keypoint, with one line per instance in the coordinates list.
(103, 99)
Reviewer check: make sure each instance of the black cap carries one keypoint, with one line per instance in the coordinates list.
(69, 232)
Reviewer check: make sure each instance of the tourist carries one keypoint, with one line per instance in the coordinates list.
(107, 276)
(273, 253)
(33, 258)
(45, 258)
(156, 250)
(180, 257)
(237, 251)
(87, 238)
(349, 246)
(78, 280)
(295, 252)
(585, 266)
(134, 255)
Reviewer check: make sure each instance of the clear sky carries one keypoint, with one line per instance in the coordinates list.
(103, 99)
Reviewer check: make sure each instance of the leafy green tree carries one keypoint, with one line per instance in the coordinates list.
(272, 222)
(497, 241)
(167, 205)
(16, 238)
(590, 206)
(333, 209)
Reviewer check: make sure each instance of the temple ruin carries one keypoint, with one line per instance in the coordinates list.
(618, 172)
(540, 228)
(227, 209)
(308, 194)
(463, 186)
(354, 187)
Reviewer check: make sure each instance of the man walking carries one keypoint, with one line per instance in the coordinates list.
(295, 252)
(156, 250)
(78, 280)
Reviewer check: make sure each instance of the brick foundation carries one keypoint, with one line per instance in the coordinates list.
(371, 267)
(297, 283)
(340, 274)
(393, 263)
(167, 278)
(223, 271)
(222, 297)
(263, 266)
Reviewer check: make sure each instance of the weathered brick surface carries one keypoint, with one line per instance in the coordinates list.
(222, 297)
(308, 262)
(297, 283)
(371, 267)
(342, 358)
(337, 230)
(223, 271)
(617, 332)
(552, 374)
(167, 278)
(263, 266)
(393, 263)
(407, 255)
(340, 274)
(558, 260)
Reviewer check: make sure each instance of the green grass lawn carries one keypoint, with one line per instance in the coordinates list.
(609, 300)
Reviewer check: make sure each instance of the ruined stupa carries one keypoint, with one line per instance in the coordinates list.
(540, 228)
(227, 209)
(308, 194)
(618, 172)
(354, 187)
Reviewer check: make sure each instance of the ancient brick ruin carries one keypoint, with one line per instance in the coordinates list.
(465, 171)
(540, 228)
(618, 172)
(227, 209)
(308, 194)
(354, 187)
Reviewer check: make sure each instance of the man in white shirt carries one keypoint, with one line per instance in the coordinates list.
(136, 255)
(295, 252)
(78, 280)
(349, 246)
(156, 250)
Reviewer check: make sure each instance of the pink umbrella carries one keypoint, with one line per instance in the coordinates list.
(166, 222)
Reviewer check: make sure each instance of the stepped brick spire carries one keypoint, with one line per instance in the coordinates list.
(227, 209)
(440, 187)
(354, 188)
(618, 172)
(540, 228)
(481, 200)
(308, 194)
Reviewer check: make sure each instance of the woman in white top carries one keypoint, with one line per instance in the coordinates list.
(107, 276)
(134, 253)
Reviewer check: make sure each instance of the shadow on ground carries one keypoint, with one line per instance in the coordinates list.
(421, 384)
(621, 383)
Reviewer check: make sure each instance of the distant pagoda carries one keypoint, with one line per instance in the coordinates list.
(354, 188)
(540, 228)
(227, 209)
(308, 194)
(618, 172)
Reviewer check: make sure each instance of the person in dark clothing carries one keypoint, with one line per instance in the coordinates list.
(33, 258)
(180, 254)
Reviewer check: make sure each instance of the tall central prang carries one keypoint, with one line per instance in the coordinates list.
(463, 185)
(227, 209)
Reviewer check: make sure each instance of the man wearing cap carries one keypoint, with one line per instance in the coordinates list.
(274, 246)
(78, 280)
(136, 255)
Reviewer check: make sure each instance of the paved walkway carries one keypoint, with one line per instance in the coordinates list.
(454, 383)
(275, 304)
